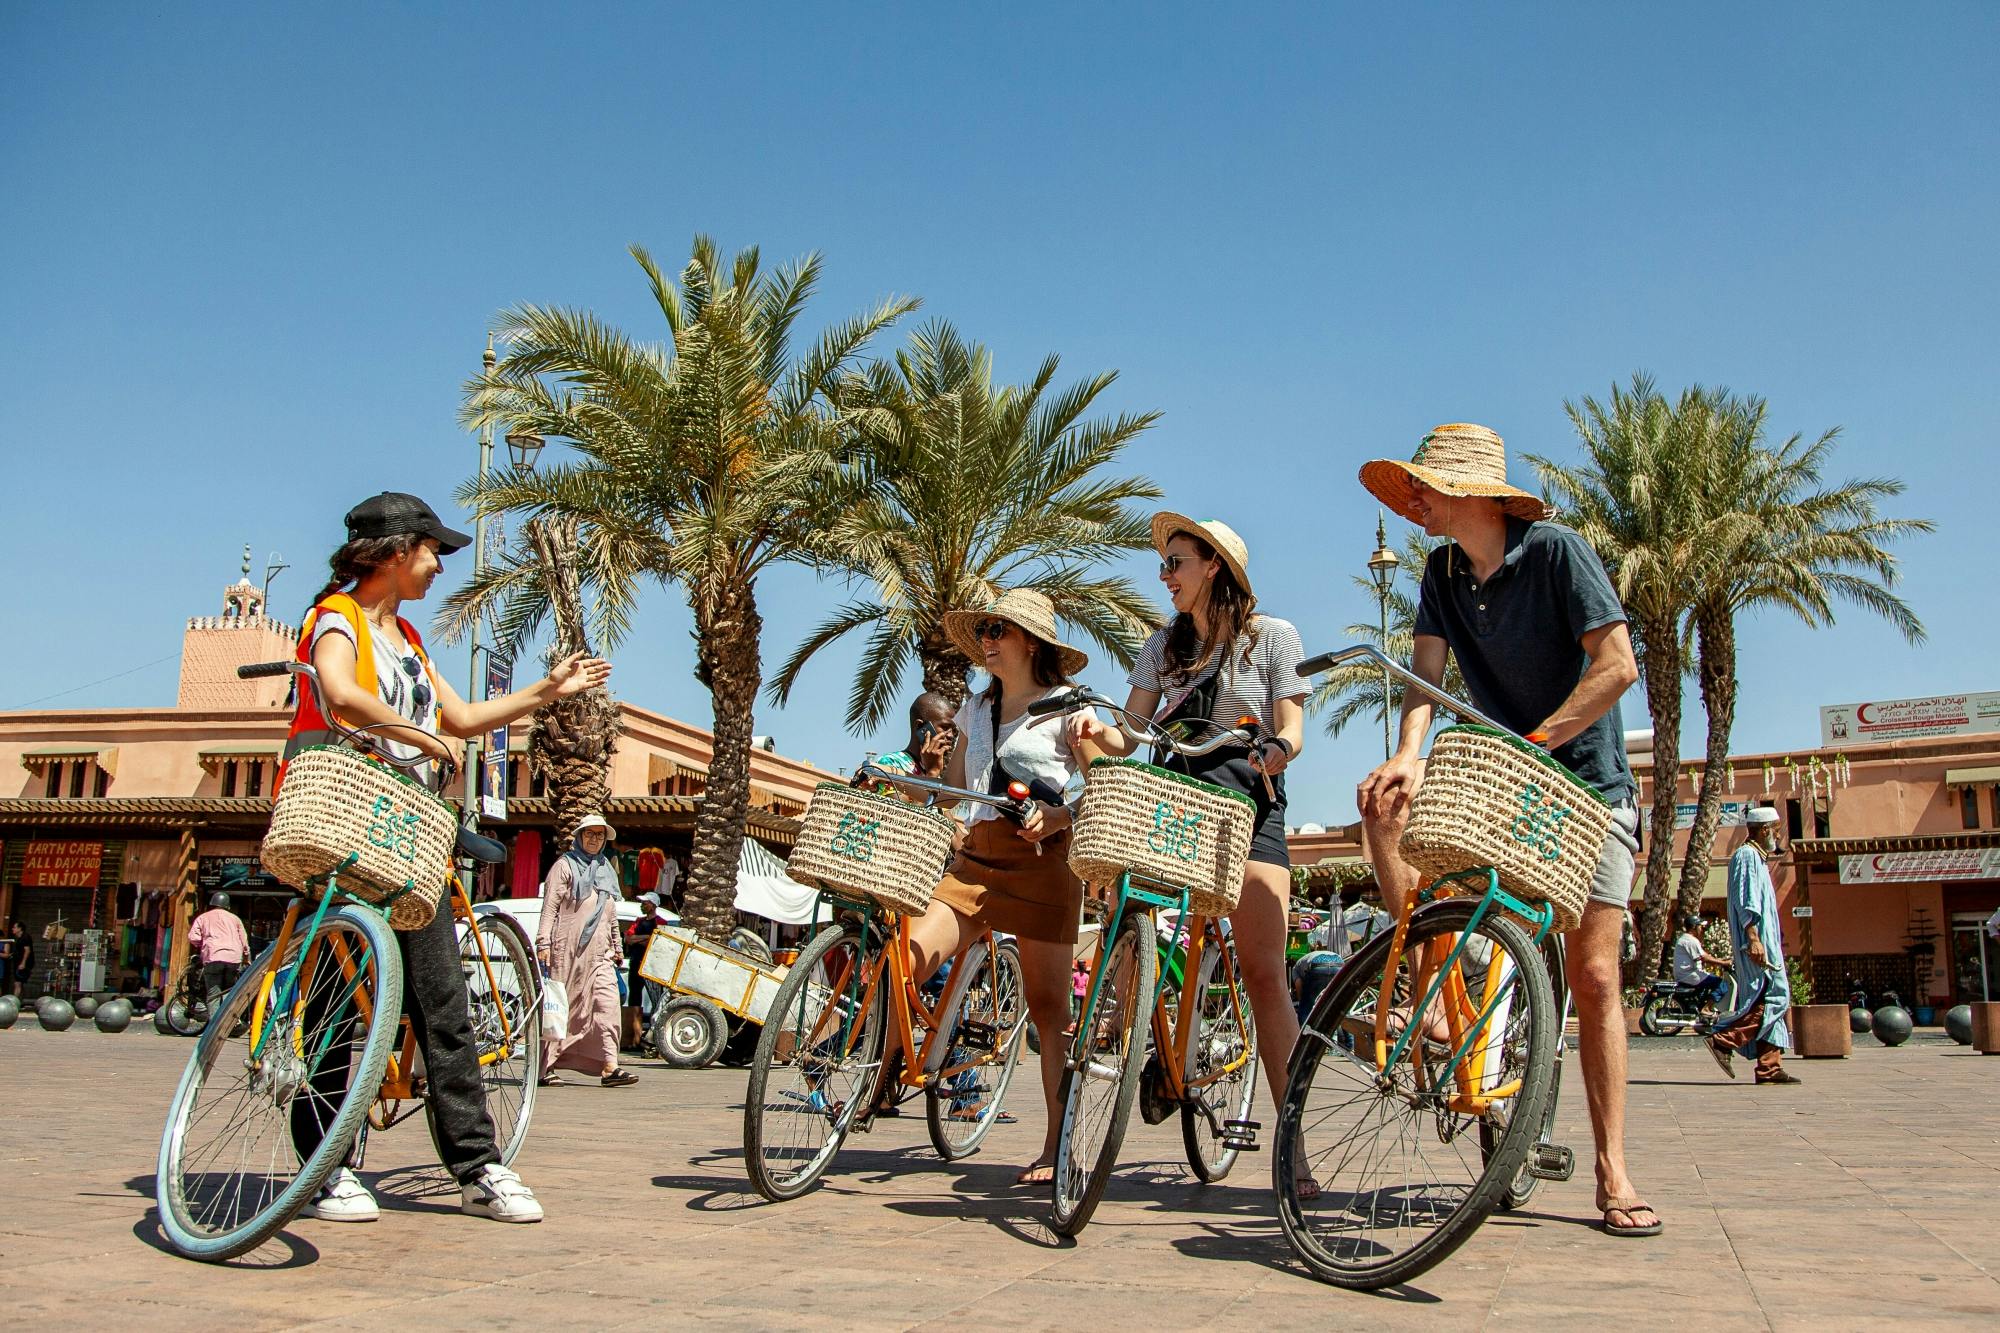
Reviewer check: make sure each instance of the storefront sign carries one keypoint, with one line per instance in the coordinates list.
(62, 865)
(234, 874)
(1801, 912)
(1921, 867)
(493, 762)
(1732, 814)
(1910, 719)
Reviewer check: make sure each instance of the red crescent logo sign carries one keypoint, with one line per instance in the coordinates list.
(1861, 713)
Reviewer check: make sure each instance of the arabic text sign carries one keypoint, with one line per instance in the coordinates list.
(1730, 816)
(1921, 867)
(1910, 719)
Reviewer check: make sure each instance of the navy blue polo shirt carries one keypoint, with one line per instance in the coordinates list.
(1518, 638)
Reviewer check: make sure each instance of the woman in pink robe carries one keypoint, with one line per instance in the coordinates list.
(578, 944)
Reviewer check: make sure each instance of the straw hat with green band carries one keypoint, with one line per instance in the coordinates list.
(1228, 547)
(1031, 611)
(1458, 459)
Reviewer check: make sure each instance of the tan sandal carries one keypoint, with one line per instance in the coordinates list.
(1631, 1205)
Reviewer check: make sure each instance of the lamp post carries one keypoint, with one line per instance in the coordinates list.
(272, 568)
(1382, 568)
(523, 448)
(474, 744)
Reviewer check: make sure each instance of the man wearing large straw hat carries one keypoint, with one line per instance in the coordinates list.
(1541, 641)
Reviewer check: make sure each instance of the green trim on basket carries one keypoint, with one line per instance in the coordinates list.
(1207, 787)
(390, 769)
(897, 803)
(1534, 752)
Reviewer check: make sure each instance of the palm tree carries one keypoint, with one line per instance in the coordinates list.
(571, 739)
(1354, 690)
(700, 463)
(959, 489)
(1801, 547)
(1639, 497)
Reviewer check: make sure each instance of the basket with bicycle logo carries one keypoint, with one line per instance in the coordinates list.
(881, 847)
(1489, 799)
(1165, 826)
(337, 803)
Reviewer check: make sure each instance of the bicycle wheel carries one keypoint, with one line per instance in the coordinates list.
(186, 1017)
(960, 1108)
(1221, 1065)
(817, 1062)
(229, 1174)
(1401, 1183)
(503, 994)
(1523, 1186)
(1102, 1080)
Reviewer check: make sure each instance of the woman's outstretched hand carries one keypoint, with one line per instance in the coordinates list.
(577, 673)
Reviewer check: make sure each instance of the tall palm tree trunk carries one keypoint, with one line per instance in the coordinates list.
(728, 629)
(571, 739)
(1715, 628)
(945, 669)
(1663, 668)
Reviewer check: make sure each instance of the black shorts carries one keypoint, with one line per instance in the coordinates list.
(1267, 840)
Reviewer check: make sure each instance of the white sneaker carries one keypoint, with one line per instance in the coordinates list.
(343, 1199)
(499, 1194)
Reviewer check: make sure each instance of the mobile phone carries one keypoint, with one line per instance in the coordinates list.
(925, 731)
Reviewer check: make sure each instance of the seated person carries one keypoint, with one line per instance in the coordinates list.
(1689, 955)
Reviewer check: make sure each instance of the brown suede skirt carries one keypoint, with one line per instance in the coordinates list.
(999, 881)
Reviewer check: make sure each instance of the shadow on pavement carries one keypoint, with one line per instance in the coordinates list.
(283, 1250)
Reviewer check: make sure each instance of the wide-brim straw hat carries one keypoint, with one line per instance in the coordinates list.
(1033, 612)
(1458, 459)
(595, 821)
(1229, 547)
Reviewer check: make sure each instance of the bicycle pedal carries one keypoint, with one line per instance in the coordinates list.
(1551, 1161)
(976, 1036)
(1241, 1135)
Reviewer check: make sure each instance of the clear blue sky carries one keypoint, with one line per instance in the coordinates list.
(250, 253)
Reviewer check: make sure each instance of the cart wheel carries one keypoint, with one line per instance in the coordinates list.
(690, 1032)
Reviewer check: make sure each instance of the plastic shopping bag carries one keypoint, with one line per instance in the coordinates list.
(555, 1006)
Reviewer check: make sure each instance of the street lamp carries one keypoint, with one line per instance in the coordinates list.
(523, 447)
(473, 744)
(272, 568)
(1382, 567)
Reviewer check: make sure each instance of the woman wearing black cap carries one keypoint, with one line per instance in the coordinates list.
(372, 669)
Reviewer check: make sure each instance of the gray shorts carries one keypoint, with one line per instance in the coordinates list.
(1617, 864)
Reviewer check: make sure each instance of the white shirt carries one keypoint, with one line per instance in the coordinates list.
(1687, 960)
(400, 682)
(1028, 752)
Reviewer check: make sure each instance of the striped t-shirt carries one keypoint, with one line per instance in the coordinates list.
(1246, 689)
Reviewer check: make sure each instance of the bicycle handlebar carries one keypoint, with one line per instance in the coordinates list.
(359, 736)
(1018, 806)
(1079, 698)
(1313, 666)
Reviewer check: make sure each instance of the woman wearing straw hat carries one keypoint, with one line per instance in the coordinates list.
(577, 942)
(1008, 877)
(1219, 661)
(1542, 645)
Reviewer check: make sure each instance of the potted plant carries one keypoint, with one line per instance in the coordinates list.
(1634, 998)
(1819, 1031)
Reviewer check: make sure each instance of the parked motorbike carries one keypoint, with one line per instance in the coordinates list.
(1670, 1008)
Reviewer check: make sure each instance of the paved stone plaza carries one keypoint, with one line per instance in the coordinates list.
(1869, 1196)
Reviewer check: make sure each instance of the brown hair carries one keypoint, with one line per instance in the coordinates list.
(360, 557)
(1232, 613)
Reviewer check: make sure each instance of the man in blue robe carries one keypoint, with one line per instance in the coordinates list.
(1757, 947)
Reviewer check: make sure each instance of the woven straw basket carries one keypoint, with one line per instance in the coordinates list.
(1490, 800)
(1165, 826)
(336, 803)
(881, 847)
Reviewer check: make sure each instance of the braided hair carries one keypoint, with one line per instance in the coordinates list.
(361, 556)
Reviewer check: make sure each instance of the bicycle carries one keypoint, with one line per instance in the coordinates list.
(820, 1056)
(1373, 1080)
(328, 995)
(1198, 1051)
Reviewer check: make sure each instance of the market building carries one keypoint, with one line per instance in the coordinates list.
(1892, 846)
(116, 823)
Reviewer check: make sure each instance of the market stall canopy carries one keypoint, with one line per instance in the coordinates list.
(764, 889)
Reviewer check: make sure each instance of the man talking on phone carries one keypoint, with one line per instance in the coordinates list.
(932, 734)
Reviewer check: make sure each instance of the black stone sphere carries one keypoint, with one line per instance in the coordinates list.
(114, 1015)
(56, 1015)
(1892, 1025)
(1958, 1022)
(86, 1006)
(10, 1009)
(1860, 1019)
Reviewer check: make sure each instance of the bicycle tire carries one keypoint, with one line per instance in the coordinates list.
(1374, 1101)
(1522, 1188)
(202, 1209)
(995, 996)
(1093, 1126)
(180, 1008)
(1226, 1032)
(792, 1132)
(510, 1077)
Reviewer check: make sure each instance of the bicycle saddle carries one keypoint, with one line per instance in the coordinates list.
(479, 847)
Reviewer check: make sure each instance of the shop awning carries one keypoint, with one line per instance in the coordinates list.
(1827, 851)
(1971, 777)
(1716, 886)
(213, 757)
(38, 761)
(665, 768)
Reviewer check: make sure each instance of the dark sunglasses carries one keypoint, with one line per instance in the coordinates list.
(1171, 563)
(991, 629)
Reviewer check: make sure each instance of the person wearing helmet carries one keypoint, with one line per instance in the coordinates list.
(1689, 960)
(219, 939)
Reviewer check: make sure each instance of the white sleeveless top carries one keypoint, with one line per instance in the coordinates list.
(1027, 752)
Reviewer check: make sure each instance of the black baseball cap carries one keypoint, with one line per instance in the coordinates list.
(394, 514)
